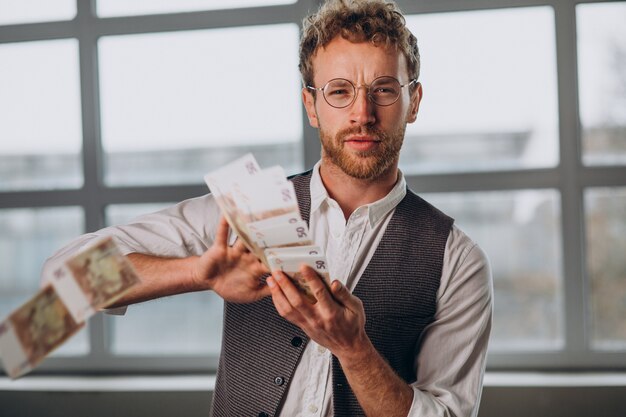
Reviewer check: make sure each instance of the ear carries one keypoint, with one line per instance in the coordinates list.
(416, 97)
(309, 105)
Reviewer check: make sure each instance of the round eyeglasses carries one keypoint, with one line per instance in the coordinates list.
(340, 93)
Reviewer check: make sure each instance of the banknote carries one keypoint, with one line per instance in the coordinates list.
(265, 195)
(79, 286)
(247, 194)
(290, 262)
(220, 183)
(294, 251)
(262, 209)
(102, 273)
(290, 234)
(34, 330)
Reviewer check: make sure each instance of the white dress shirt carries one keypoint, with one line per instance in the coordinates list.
(452, 350)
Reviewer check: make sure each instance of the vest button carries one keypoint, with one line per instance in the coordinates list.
(262, 414)
(279, 380)
(296, 341)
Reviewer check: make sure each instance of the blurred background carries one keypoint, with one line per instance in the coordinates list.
(110, 109)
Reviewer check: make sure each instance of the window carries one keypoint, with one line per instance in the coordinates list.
(109, 8)
(489, 100)
(521, 232)
(164, 326)
(28, 11)
(605, 214)
(40, 114)
(183, 105)
(602, 65)
(520, 137)
(29, 236)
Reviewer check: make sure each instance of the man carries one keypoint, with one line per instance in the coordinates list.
(403, 328)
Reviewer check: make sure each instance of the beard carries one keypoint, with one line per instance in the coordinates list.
(370, 164)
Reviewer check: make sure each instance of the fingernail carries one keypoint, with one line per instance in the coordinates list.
(270, 282)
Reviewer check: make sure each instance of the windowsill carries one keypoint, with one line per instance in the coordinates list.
(548, 379)
(193, 383)
(207, 382)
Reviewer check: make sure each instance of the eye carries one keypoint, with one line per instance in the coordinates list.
(385, 87)
(384, 90)
(338, 92)
(339, 88)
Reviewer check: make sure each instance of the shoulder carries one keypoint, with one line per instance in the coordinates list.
(466, 266)
(418, 203)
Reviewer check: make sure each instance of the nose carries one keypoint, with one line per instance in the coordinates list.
(362, 110)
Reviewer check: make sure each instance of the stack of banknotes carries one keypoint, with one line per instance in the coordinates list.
(85, 283)
(260, 206)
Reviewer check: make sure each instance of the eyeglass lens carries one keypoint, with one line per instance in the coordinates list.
(383, 91)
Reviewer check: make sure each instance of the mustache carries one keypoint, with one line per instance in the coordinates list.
(361, 130)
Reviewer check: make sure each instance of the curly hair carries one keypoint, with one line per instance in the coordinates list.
(377, 21)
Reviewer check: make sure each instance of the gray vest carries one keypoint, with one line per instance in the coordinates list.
(260, 349)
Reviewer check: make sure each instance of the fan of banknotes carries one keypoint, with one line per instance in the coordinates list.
(85, 283)
(260, 206)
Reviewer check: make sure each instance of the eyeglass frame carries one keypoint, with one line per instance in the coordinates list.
(356, 90)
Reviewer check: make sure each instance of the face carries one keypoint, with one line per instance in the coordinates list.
(363, 140)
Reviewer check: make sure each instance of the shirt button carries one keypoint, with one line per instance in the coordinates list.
(312, 408)
(279, 380)
(296, 341)
(321, 349)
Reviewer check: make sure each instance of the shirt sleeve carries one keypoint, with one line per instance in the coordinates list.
(450, 358)
(185, 229)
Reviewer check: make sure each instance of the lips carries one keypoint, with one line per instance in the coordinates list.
(362, 143)
(361, 138)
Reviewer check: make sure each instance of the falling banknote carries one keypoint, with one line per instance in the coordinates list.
(261, 207)
(34, 330)
(82, 285)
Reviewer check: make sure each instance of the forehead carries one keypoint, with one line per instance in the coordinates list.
(357, 61)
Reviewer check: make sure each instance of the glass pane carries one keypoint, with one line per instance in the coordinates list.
(28, 11)
(606, 265)
(28, 237)
(602, 82)
(40, 116)
(107, 8)
(186, 324)
(490, 92)
(178, 325)
(176, 105)
(521, 234)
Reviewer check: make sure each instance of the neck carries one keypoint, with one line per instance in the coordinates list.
(351, 193)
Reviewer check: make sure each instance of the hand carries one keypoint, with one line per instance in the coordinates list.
(336, 321)
(232, 272)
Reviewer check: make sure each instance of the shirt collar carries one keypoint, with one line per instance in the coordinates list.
(376, 210)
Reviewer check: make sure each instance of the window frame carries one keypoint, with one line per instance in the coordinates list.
(570, 177)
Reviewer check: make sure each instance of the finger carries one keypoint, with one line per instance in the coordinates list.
(291, 292)
(240, 246)
(341, 293)
(221, 236)
(282, 304)
(317, 286)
